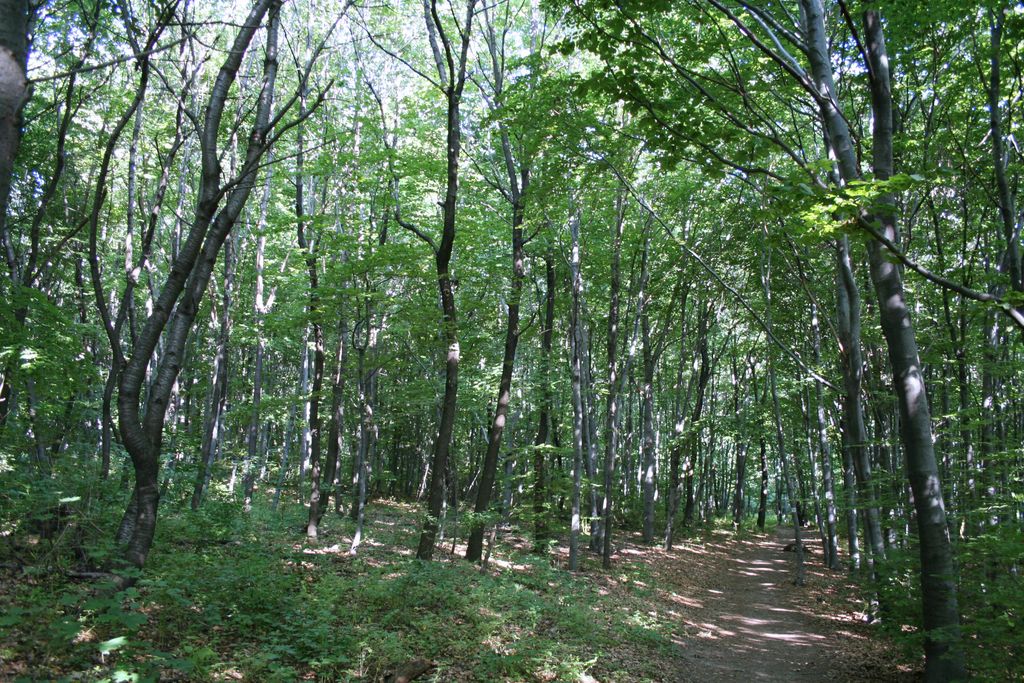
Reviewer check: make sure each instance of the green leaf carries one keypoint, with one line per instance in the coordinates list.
(108, 646)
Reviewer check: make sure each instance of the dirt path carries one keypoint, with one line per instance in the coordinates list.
(744, 620)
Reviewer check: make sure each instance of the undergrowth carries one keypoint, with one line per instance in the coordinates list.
(229, 595)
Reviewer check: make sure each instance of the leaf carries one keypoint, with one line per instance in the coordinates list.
(108, 646)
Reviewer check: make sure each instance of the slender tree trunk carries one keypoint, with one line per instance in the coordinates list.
(612, 405)
(286, 448)
(1007, 208)
(832, 539)
(647, 473)
(545, 417)
(253, 429)
(218, 403)
(310, 247)
(852, 424)
(680, 404)
(362, 453)
(142, 435)
(692, 439)
(337, 419)
(590, 433)
(488, 473)
(741, 449)
(261, 306)
(578, 409)
(454, 79)
(305, 371)
(792, 491)
(762, 505)
(944, 659)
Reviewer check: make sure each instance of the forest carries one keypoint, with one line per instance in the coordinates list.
(511, 340)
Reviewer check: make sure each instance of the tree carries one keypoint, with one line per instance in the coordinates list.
(451, 60)
(13, 90)
(178, 304)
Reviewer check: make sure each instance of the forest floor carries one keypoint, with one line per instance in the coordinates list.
(227, 596)
(745, 620)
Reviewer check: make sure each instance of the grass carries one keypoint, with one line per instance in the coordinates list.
(229, 596)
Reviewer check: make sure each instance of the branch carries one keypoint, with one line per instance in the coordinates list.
(401, 59)
(1016, 315)
(718, 278)
(394, 174)
(109, 62)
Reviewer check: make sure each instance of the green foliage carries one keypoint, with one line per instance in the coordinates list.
(226, 592)
(991, 597)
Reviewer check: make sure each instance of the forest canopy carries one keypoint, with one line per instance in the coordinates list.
(537, 279)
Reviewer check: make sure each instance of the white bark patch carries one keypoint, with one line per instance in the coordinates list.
(914, 388)
(12, 83)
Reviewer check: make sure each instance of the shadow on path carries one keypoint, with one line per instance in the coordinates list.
(746, 621)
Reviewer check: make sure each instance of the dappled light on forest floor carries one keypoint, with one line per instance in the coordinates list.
(716, 608)
(741, 616)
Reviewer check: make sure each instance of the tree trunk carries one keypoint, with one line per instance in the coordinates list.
(1007, 210)
(611, 423)
(693, 437)
(142, 435)
(362, 453)
(762, 505)
(545, 418)
(578, 409)
(14, 27)
(218, 402)
(832, 539)
(792, 492)
(741, 450)
(488, 473)
(590, 432)
(337, 419)
(944, 659)
(454, 79)
(310, 247)
(647, 473)
(261, 307)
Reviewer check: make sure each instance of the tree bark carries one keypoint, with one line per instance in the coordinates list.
(142, 433)
(488, 472)
(1007, 209)
(546, 419)
(578, 409)
(612, 406)
(944, 659)
(792, 491)
(454, 84)
(762, 505)
(647, 472)
(14, 26)
(831, 536)
(310, 247)
(741, 449)
(261, 307)
(218, 401)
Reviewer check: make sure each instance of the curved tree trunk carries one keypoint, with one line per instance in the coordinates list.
(142, 433)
